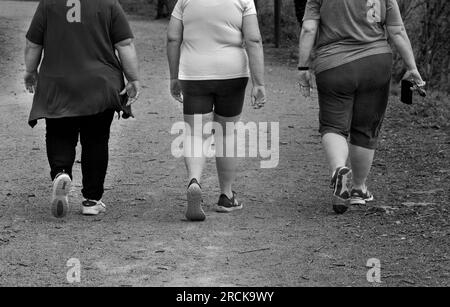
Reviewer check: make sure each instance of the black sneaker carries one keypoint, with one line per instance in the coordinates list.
(194, 211)
(226, 205)
(339, 182)
(358, 197)
(341, 194)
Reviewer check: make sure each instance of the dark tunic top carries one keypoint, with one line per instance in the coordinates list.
(80, 74)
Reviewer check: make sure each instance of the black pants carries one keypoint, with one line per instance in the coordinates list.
(353, 98)
(224, 97)
(62, 138)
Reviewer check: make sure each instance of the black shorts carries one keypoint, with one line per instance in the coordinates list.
(353, 99)
(223, 97)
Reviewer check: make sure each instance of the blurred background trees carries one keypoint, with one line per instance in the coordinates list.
(427, 23)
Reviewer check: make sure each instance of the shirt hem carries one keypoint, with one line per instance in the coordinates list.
(32, 121)
(177, 17)
(33, 40)
(121, 39)
(213, 77)
(349, 60)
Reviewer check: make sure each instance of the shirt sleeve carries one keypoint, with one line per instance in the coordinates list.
(178, 10)
(36, 32)
(249, 8)
(120, 28)
(312, 10)
(393, 16)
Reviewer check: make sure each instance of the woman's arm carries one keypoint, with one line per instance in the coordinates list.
(401, 41)
(307, 39)
(174, 41)
(254, 46)
(128, 57)
(306, 44)
(33, 54)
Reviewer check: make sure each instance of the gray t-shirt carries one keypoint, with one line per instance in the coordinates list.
(350, 30)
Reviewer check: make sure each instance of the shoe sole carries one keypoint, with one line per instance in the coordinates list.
(194, 210)
(90, 211)
(340, 206)
(60, 202)
(341, 186)
(222, 209)
(358, 201)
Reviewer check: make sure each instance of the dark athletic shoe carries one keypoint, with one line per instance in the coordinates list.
(194, 210)
(339, 182)
(358, 197)
(60, 195)
(341, 194)
(226, 205)
(340, 206)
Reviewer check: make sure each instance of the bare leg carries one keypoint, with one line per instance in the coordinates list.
(226, 166)
(361, 161)
(193, 146)
(336, 149)
(195, 161)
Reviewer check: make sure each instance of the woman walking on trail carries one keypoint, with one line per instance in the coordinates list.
(352, 63)
(78, 87)
(214, 46)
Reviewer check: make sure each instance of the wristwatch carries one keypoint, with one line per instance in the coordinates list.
(303, 68)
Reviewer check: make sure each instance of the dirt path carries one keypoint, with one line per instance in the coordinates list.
(286, 236)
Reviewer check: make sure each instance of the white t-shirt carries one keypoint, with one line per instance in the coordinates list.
(213, 45)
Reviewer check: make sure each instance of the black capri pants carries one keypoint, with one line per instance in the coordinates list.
(353, 98)
(223, 97)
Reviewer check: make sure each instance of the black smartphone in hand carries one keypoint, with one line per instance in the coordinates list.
(406, 92)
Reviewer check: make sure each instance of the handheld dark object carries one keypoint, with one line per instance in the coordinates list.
(407, 91)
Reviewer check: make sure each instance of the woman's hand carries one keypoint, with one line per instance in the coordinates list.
(30, 80)
(258, 96)
(305, 83)
(175, 90)
(132, 91)
(414, 76)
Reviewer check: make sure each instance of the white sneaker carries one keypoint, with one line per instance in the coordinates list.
(194, 211)
(92, 207)
(60, 195)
